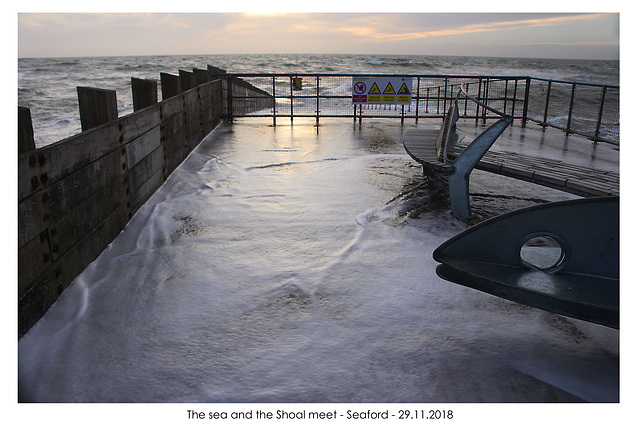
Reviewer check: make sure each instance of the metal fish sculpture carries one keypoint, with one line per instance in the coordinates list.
(562, 257)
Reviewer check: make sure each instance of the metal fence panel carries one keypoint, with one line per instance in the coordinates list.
(586, 109)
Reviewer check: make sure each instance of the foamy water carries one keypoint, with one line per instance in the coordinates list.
(285, 264)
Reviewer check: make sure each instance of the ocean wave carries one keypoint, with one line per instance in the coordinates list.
(67, 63)
(136, 67)
(48, 85)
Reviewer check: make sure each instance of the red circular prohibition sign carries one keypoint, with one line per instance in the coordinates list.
(359, 87)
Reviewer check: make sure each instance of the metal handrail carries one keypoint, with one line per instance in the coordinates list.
(587, 109)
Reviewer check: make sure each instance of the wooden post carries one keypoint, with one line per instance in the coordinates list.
(170, 85)
(97, 106)
(145, 93)
(212, 71)
(187, 81)
(200, 76)
(25, 130)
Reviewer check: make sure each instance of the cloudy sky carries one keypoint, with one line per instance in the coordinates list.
(553, 35)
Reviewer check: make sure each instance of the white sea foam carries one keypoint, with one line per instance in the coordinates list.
(307, 280)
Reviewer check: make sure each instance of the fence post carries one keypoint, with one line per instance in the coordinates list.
(417, 99)
(506, 95)
(97, 106)
(230, 98)
(573, 92)
(546, 106)
(145, 93)
(466, 99)
(291, 97)
(200, 76)
(444, 107)
(25, 131)
(212, 70)
(525, 107)
(515, 97)
(600, 111)
(317, 100)
(426, 104)
(479, 94)
(170, 85)
(187, 81)
(273, 91)
(486, 100)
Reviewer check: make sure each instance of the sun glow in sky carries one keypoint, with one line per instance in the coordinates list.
(552, 35)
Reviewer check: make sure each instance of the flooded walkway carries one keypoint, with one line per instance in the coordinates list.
(293, 264)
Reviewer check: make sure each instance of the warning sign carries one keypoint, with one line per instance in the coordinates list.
(404, 94)
(359, 87)
(397, 90)
(389, 94)
(374, 94)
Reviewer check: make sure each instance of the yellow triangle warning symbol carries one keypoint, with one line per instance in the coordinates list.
(374, 89)
(389, 89)
(404, 89)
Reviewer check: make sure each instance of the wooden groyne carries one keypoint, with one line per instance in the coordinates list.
(76, 195)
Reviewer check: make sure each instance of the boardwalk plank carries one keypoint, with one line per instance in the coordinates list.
(579, 180)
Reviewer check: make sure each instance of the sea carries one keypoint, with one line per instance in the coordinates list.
(288, 270)
(47, 86)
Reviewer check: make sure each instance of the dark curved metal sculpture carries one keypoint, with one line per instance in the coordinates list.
(561, 257)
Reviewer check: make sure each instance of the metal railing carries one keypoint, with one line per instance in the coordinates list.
(590, 110)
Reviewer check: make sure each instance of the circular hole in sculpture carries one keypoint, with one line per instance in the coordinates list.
(542, 252)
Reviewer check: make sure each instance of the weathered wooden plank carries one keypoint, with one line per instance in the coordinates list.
(584, 187)
(34, 258)
(97, 106)
(171, 107)
(551, 173)
(139, 174)
(49, 164)
(38, 296)
(187, 80)
(76, 195)
(519, 170)
(144, 93)
(71, 191)
(140, 147)
(200, 76)
(170, 85)
(25, 130)
(31, 218)
(138, 123)
(34, 301)
(80, 220)
(190, 97)
(140, 195)
(556, 179)
(76, 259)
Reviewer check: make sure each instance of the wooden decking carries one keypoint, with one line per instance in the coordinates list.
(579, 180)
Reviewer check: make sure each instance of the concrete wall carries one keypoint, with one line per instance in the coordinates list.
(76, 195)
